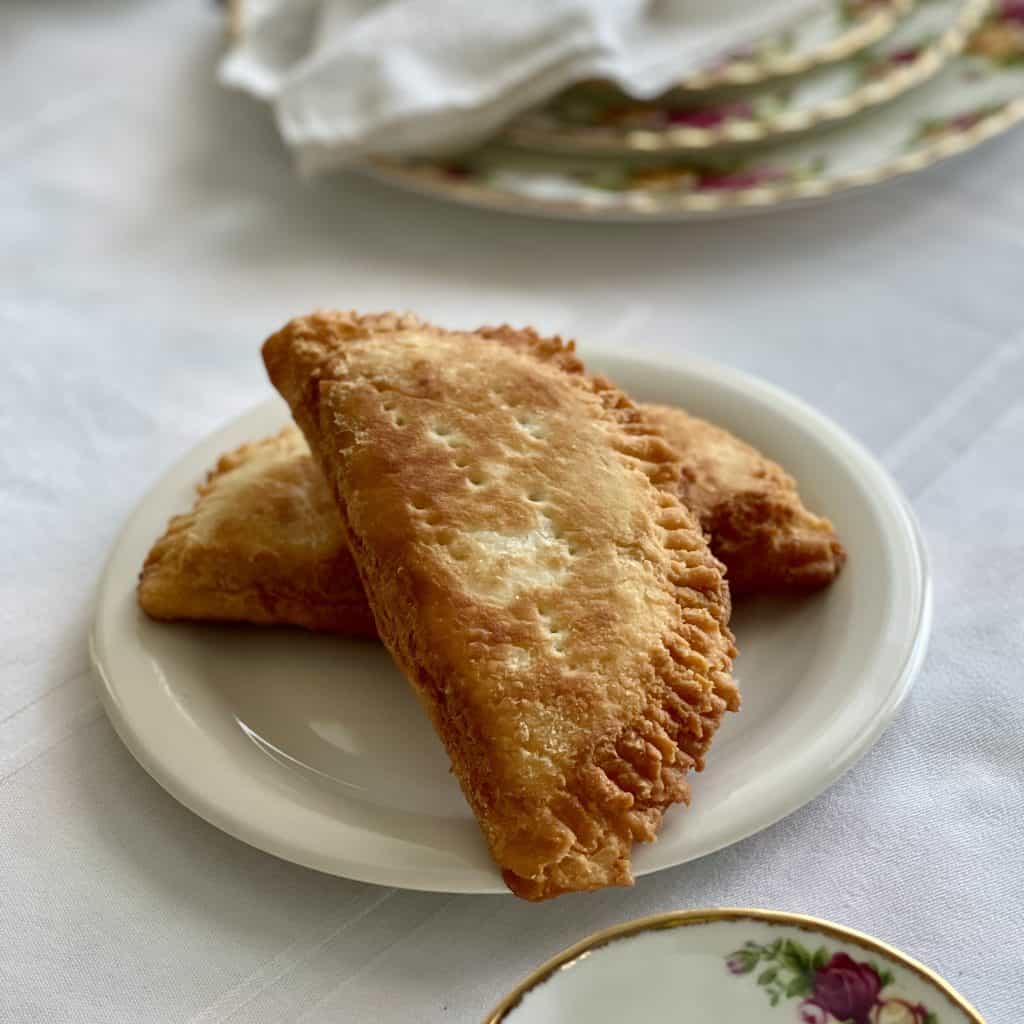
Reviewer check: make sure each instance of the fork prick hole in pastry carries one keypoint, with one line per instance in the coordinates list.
(445, 434)
(557, 637)
(530, 426)
(518, 659)
(551, 528)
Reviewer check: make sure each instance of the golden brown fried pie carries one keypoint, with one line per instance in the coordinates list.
(554, 605)
(750, 508)
(270, 547)
(263, 544)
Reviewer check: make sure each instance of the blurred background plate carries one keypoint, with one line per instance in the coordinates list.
(977, 96)
(598, 118)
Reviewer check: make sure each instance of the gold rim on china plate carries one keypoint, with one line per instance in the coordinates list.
(861, 34)
(684, 918)
(647, 206)
(898, 80)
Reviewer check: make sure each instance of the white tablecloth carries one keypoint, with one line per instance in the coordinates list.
(153, 232)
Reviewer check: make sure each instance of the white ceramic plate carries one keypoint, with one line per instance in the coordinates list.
(314, 749)
(712, 966)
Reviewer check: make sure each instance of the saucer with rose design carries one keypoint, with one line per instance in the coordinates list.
(712, 966)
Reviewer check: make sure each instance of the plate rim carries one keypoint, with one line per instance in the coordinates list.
(672, 919)
(694, 207)
(257, 835)
(859, 36)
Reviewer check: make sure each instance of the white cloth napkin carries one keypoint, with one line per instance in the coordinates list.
(403, 77)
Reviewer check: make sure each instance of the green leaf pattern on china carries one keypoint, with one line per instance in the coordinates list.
(789, 970)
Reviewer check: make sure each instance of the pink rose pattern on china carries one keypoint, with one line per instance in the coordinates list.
(834, 989)
(845, 989)
(724, 175)
(876, 66)
(935, 128)
(602, 107)
(733, 174)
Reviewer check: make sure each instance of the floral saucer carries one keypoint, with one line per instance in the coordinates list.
(977, 96)
(838, 30)
(596, 117)
(712, 966)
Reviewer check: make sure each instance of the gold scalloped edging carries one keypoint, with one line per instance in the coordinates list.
(687, 918)
(655, 206)
(858, 36)
(899, 79)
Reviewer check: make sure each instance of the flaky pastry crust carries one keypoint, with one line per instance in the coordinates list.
(555, 607)
(273, 552)
(751, 510)
(262, 544)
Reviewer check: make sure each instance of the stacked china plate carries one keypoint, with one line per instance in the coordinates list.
(861, 92)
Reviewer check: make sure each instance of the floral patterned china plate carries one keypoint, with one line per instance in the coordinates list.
(978, 95)
(716, 966)
(598, 118)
